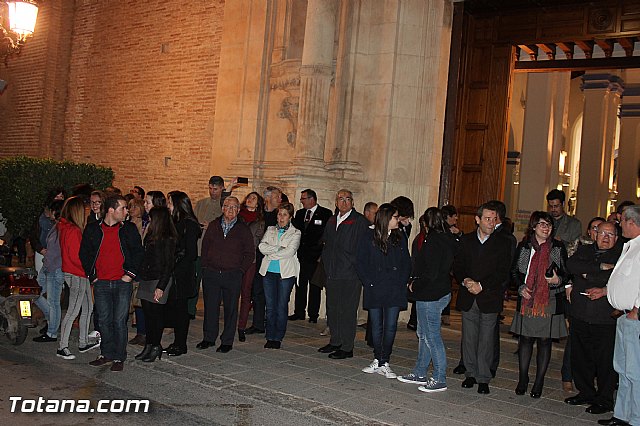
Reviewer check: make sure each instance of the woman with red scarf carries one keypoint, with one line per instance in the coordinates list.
(539, 272)
(251, 212)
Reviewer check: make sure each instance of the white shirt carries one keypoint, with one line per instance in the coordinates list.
(340, 219)
(623, 289)
(312, 210)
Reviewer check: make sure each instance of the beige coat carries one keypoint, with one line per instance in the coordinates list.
(283, 250)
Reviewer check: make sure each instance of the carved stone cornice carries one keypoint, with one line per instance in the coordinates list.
(608, 82)
(316, 70)
(285, 75)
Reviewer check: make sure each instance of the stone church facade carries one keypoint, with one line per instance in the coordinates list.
(295, 93)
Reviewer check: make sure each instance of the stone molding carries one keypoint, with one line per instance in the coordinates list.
(609, 82)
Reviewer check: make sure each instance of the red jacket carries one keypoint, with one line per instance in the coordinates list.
(70, 237)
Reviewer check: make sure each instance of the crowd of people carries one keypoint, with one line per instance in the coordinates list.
(150, 254)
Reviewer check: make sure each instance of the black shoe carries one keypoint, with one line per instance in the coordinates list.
(205, 344)
(155, 352)
(577, 400)
(412, 326)
(469, 382)
(224, 348)
(145, 352)
(269, 344)
(460, 369)
(613, 421)
(295, 317)
(327, 349)
(313, 320)
(535, 394)
(44, 339)
(241, 335)
(177, 350)
(168, 348)
(483, 388)
(521, 388)
(253, 330)
(597, 409)
(340, 354)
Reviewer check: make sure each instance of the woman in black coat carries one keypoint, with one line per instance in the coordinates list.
(189, 231)
(156, 269)
(383, 264)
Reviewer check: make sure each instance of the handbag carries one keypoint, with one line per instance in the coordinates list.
(146, 291)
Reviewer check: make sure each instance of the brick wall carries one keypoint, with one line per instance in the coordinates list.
(125, 84)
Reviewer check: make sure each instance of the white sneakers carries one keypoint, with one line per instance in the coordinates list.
(383, 369)
(372, 368)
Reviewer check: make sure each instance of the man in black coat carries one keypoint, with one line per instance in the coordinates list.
(341, 237)
(593, 329)
(481, 266)
(311, 221)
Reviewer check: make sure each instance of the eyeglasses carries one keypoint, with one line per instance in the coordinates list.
(543, 225)
(607, 234)
(594, 228)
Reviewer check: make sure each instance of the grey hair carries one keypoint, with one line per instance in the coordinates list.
(632, 213)
(345, 191)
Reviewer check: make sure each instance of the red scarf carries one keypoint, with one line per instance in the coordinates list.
(536, 283)
(248, 216)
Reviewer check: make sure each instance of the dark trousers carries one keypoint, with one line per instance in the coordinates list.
(246, 301)
(496, 350)
(112, 299)
(193, 301)
(307, 269)
(592, 359)
(478, 331)
(154, 321)
(257, 294)
(220, 287)
(178, 311)
(384, 324)
(343, 297)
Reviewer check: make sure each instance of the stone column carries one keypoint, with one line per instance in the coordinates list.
(629, 145)
(544, 125)
(601, 100)
(315, 81)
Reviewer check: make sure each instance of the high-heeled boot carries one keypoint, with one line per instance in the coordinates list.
(155, 352)
(144, 352)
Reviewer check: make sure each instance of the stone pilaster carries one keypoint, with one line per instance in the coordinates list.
(601, 99)
(629, 145)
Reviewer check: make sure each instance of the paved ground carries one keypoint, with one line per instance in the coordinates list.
(292, 386)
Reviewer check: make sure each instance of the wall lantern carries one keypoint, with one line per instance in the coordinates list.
(21, 18)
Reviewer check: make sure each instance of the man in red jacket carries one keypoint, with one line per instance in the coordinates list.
(227, 252)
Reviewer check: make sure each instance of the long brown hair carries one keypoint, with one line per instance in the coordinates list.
(160, 225)
(382, 238)
(73, 211)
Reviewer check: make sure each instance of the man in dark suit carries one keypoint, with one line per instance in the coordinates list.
(311, 220)
(482, 267)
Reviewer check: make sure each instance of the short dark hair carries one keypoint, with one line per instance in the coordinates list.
(140, 190)
(448, 211)
(216, 180)
(288, 207)
(556, 194)
(536, 217)
(501, 208)
(404, 206)
(624, 204)
(111, 202)
(486, 206)
(311, 194)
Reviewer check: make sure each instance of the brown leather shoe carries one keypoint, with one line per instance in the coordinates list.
(117, 366)
(100, 361)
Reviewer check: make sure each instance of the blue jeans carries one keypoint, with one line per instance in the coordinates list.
(430, 344)
(626, 362)
(384, 323)
(51, 283)
(112, 300)
(276, 292)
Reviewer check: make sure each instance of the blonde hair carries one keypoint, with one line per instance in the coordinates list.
(137, 203)
(74, 212)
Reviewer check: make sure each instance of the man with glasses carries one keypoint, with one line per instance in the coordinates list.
(137, 192)
(227, 252)
(593, 330)
(341, 237)
(311, 220)
(481, 266)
